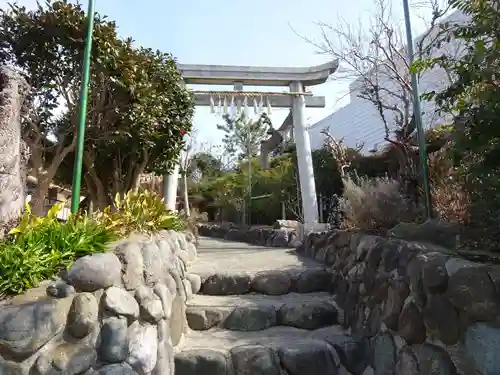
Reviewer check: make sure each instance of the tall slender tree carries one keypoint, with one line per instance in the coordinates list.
(242, 135)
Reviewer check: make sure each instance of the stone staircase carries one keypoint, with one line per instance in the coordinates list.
(262, 310)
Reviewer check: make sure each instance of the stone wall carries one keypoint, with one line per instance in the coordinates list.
(273, 237)
(119, 312)
(416, 309)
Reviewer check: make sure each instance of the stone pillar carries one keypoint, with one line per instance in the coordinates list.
(13, 153)
(170, 184)
(304, 159)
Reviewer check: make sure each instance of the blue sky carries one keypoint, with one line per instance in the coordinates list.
(230, 32)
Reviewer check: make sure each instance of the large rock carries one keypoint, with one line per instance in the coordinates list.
(143, 347)
(66, 359)
(151, 307)
(354, 354)
(153, 263)
(165, 356)
(26, 328)
(130, 255)
(308, 316)
(166, 298)
(202, 361)
(255, 359)
(250, 318)
(308, 358)
(471, 290)
(221, 284)
(482, 342)
(435, 360)
(114, 340)
(160, 260)
(201, 319)
(279, 238)
(411, 324)
(195, 281)
(82, 315)
(60, 289)
(116, 369)
(433, 231)
(396, 295)
(442, 320)
(121, 302)
(384, 354)
(407, 363)
(272, 282)
(313, 280)
(97, 271)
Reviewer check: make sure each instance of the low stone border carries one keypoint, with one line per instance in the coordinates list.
(272, 237)
(421, 309)
(119, 312)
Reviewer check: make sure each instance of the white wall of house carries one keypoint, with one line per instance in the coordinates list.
(359, 122)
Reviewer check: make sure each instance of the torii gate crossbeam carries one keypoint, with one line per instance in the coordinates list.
(296, 79)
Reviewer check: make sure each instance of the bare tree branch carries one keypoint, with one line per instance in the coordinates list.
(373, 57)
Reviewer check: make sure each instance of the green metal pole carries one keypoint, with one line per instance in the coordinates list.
(418, 115)
(250, 176)
(82, 115)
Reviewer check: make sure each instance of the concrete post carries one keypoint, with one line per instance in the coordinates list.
(304, 159)
(170, 184)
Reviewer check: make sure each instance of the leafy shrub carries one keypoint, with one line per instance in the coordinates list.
(375, 205)
(139, 211)
(40, 247)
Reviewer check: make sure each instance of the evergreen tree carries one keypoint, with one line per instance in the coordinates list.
(242, 135)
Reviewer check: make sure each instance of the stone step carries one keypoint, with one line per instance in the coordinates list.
(254, 312)
(270, 282)
(276, 350)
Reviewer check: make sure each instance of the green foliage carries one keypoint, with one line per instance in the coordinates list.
(207, 164)
(242, 136)
(39, 248)
(138, 112)
(141, 211)
(475, 98)
(228, 192)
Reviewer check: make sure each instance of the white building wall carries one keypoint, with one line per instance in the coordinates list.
(359, 122)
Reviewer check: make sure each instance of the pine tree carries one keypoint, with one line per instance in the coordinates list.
(242, 135)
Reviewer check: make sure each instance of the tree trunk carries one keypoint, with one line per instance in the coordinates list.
(186, 194)
(37, 203)
(100, 197)
(12, 184)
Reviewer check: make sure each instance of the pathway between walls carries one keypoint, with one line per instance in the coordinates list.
(261, 310)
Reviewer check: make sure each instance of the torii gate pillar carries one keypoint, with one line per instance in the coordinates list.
(304, 159)
(170, 184)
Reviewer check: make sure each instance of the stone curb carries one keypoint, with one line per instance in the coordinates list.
(271, 237)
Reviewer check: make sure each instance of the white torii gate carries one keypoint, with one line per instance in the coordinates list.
(296, 79)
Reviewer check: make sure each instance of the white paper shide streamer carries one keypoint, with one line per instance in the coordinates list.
(269, 109)
(212, 104)
(245, 107)
(238, 104)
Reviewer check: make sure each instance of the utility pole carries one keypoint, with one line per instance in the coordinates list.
(418, 115)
